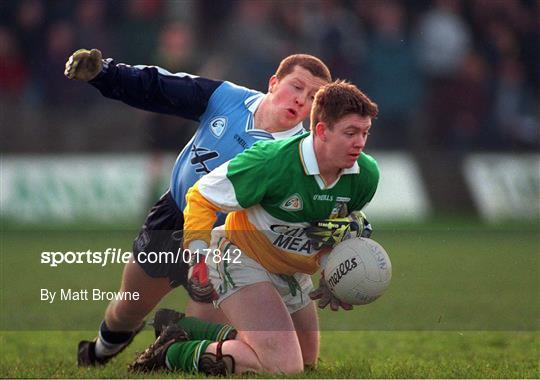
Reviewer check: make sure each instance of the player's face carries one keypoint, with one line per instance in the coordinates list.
(346, 140)
(291, 97)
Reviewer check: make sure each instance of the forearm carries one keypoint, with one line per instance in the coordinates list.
(322, 257)
(199, 218)
(154, 89)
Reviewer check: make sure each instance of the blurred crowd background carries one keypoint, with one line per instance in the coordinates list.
(448, 75)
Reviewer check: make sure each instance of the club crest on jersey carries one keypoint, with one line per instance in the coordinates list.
(340, 210)
(217, 125)
(293, 203)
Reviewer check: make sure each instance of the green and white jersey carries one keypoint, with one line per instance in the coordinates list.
(272, 191)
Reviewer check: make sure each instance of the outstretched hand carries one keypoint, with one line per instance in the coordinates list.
(84, 65)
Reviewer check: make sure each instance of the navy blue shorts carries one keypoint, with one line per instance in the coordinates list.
(162, 232)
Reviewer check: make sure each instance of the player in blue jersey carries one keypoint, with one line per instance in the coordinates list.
(231, 118)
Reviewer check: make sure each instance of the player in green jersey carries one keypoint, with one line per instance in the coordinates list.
(274, 193)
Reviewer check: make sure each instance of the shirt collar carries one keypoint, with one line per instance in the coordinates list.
(307, 156)
(311, 166)
(253, 102)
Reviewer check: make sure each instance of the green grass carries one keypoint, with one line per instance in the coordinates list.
(463, 303)
(356, 354)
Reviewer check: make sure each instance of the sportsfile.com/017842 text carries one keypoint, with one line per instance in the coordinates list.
(118, 256)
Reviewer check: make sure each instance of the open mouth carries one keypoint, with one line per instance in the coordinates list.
(291, 112)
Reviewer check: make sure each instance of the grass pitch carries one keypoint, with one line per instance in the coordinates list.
(345, 354)
(463, 303)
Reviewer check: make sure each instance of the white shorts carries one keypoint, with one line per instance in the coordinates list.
(233, 271)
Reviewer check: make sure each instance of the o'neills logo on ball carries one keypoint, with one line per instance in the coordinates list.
(343, 268)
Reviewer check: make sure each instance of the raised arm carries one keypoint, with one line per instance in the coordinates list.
(150, 88)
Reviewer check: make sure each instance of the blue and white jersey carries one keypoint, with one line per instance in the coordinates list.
(225, 113)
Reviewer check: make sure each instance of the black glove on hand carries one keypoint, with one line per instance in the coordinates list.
(199, 286)
(329, 232)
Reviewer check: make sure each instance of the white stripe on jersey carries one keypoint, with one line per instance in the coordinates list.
(162, 71)
(217, 188)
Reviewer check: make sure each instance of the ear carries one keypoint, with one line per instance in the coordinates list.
(272, 83)
(320, 130)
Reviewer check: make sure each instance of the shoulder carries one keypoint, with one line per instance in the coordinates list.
(281, 146)
(233, 92)
(232, 100)
(368, 165)
(273, 153)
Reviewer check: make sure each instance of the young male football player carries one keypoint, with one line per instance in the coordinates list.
(275, 192)
(231, 118)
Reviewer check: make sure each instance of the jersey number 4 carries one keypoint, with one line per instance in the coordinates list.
(199, 156)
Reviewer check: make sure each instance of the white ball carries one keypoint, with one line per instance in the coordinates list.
(358, 271)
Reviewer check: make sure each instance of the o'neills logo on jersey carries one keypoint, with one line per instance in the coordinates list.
(217, 125)
(293, 203)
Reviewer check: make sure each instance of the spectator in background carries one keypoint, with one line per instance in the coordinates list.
(14, 76)
(254, 38)
(466, 106)
(531, 54)
(444, 42)
(13, 70)
(30, 29)
(59, 44)
(391, 75)
(92, 28)
(137, 32)
(288, 25)
(335, 33)
(176, 48)
(501, 42)
(444, 39)
(30, 25)
(515, 107)
(60, 124)
(505, 35)
(181, 11)
(487, 19)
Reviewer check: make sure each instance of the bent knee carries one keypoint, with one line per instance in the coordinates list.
(280, 355)
(288, 367)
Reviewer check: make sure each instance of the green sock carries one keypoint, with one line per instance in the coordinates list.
(185, 355)
(199, 330)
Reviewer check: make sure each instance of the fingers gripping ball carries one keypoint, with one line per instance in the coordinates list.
(84, 65)
(358, 271)
(326, 297)
(364, 226)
